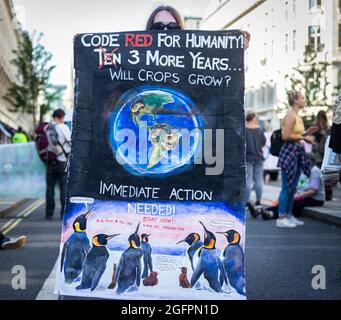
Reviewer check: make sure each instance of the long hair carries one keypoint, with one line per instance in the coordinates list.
(171, 10)
(322, 120)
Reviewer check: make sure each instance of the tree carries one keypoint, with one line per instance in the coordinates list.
(310, 78)
(31, 93)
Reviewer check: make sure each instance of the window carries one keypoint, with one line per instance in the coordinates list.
(272, 48)
(265, 50)
(286, 42)
(314, 4)
(294, 40)
(294, 7)
(315, 38)
(250, 100)
(261, 97)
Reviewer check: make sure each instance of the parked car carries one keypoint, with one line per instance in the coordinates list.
(270, 163)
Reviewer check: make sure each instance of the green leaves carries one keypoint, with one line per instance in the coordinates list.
(310, 77)
(32, 92)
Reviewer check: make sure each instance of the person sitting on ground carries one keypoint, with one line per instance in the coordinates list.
(11, 243)
(311, 194)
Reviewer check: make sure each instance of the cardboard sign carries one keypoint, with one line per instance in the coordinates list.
(157, 171)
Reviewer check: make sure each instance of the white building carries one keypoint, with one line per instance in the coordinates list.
(9, 38)
(280, 31)
(192, 23)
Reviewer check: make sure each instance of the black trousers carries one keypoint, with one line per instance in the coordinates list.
(298, 207)
(306, 202)
(55, 172)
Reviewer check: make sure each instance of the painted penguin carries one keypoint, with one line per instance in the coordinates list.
(234, 261)
(95, 262)
(194, 242)
(75, 249)
(128, 273)
(209, 263)
(151, 280)
(183, 280)
(147, 255)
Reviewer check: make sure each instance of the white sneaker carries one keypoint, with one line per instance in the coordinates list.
(296, 221)
(285, 223)
(13, 243)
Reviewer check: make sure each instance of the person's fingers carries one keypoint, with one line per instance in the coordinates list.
(246, 34)
(247, 37)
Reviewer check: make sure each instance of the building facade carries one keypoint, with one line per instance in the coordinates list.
(9, 36)
(280, 31)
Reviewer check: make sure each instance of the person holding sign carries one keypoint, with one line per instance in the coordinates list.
(167, 18)
(139, 166)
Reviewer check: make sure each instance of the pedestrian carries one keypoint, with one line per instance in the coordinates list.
(11, 243)
(167, 18)
(255, 141)
(19, 136)
(320, 131)
(56, 168)
(292, 159)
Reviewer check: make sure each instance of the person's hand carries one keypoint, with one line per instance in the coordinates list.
(309, 139)
(298, 197)
(247, 37)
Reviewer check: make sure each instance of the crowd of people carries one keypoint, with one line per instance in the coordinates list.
(293, 162)
(292, 158)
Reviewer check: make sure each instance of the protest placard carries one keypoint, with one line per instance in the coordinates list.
(156, 182)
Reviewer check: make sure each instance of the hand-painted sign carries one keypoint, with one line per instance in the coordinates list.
(157, 156)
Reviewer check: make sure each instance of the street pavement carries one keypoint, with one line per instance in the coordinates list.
(278, 262)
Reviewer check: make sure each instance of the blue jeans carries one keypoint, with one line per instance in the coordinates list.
(286, 197)
(254, 176)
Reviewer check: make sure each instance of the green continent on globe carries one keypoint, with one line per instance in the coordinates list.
(149, 103)
(163, 137)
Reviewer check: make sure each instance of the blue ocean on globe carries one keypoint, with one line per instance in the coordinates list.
(155, 131)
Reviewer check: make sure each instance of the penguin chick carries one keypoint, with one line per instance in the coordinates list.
(151, 280)
(183, 280)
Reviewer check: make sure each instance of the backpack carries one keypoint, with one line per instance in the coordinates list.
(276, 142)
(47, 142)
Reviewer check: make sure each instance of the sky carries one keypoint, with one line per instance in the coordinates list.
(60, 20)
